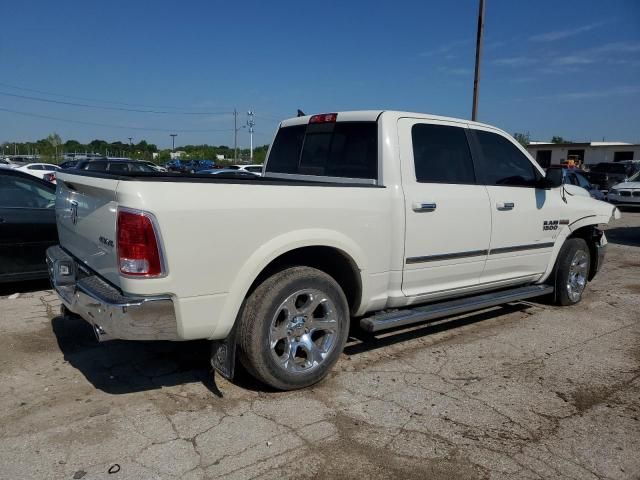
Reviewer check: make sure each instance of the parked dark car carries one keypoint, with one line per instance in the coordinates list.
(608, 174)
(576, 177)
(194, 166)
(113, 165)
(27, 225)
(153, 166)
(173, 166)
(68, 164)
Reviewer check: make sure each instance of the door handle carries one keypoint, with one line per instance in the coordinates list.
(424, 207)
(505, 205)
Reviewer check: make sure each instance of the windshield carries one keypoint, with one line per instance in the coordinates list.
(635, 177)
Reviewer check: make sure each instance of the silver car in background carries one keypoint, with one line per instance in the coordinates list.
(626, 193)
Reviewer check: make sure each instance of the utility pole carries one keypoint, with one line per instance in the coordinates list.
(235, 136)
(476, 78)
(250, 123)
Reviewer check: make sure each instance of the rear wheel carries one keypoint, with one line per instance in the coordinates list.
(572, 271)
(293, 328)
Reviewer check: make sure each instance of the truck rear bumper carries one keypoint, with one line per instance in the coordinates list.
(112, 314)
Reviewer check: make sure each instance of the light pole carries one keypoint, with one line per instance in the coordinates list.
(250, 124)
(130, 146)
(235, 136)
(236, 128)
(173, 141)
(476, 77)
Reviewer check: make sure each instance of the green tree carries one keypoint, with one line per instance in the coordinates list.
(98, 146)
(163, 156)
(558, 139)
(522, 138)
(55, 141)
(73, 146)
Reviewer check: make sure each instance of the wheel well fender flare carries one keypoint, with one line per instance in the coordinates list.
(581, 228)
(274, 249)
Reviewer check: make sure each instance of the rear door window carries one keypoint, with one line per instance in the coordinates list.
(96, 166)
(441, 154)
(340, 149)
(140, 167)
(119, 167)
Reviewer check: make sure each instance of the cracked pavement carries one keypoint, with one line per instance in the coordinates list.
(525, 391)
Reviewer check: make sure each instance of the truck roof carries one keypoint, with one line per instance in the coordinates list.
(372, 116)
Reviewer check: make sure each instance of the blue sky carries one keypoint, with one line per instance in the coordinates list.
(569, 68)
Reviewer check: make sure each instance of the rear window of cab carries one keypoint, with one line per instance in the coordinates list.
(335, 149)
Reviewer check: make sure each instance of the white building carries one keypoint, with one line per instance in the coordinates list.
(586, 153)
(177, 154)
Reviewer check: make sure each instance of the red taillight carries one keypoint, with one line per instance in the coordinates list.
(324, 118)
(138, 249)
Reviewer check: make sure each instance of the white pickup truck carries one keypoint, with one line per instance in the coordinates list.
(381, 217)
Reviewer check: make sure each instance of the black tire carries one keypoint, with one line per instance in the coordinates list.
(264, 315)
(564, 294)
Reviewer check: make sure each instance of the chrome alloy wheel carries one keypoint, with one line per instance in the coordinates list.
(577, 279)
(303, 331)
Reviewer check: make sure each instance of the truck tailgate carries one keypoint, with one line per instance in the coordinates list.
(86, 213)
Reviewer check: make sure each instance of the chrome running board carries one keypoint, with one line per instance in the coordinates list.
(433, 311)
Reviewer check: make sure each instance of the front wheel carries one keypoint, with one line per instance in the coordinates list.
(293, 328)
(572, 271)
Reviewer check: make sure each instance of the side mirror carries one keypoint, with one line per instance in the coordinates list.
(553, 178)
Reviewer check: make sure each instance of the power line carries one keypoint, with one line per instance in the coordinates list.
(52, 94)
(270, 119)
(100, 107)
(263, 134)
(105, 125)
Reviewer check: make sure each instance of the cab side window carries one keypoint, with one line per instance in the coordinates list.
(441, 154)
(503, 163)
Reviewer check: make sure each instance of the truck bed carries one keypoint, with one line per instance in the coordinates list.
(209, 233)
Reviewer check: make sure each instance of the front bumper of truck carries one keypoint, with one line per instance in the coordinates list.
(112, 314)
